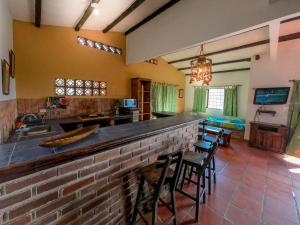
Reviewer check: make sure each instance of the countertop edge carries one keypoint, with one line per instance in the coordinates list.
(22, 169)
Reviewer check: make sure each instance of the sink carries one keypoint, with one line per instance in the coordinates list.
(36, 130)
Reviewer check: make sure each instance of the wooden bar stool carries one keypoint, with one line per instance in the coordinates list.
(201, 131)
(198, 163)
(206, 146)
(157, 175)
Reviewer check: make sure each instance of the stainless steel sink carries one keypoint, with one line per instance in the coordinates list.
(36, 130)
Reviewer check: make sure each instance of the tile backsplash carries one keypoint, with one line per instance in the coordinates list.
(8, 114)
(75, 106)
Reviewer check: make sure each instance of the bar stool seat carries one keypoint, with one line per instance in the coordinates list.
(152, 173)
(203, 146)
(193, 158)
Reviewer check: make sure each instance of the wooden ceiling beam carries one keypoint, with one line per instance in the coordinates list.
(222, 63)
(253, 44)
(87, 13)
(291, 19)
(151, 16)
(289, 37)
(131, 8)
(226, 71)
(38, 13)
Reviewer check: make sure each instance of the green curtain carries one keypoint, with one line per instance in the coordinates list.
(169, 98)
(163, 97)
(293, 147)
(199, 104)
(157, 97)
(230, 101)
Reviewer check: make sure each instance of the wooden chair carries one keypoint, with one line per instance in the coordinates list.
(157, 175)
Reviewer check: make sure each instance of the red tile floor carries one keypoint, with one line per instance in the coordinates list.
(254, 187)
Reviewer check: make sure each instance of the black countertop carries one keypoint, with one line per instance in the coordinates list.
(20, 154)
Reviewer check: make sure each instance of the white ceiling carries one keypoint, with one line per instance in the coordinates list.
(230, 42)
(68, 12)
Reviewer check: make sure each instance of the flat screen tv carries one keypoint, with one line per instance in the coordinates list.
(271, 96)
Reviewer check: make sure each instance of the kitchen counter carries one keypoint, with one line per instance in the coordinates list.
(22, 157)
(94, 180)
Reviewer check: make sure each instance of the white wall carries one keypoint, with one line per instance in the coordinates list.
(242, 77)
(6, 43)
(191, 22)
(274, 73)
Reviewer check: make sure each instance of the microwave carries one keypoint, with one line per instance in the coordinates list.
(128, 103)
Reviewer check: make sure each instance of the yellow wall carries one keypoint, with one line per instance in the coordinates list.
(48, 52)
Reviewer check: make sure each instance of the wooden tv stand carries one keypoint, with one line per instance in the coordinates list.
(267, 136)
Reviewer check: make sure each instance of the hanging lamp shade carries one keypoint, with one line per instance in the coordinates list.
(201, 69)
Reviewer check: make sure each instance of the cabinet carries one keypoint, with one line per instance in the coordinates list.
(141, 91)
(268, 136)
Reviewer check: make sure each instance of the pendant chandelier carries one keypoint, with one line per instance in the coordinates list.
(201, 69)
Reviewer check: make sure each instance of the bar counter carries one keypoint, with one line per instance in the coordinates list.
(92, 180)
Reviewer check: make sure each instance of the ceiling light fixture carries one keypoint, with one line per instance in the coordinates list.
(201, 69)
(96, 11)
(94, 5)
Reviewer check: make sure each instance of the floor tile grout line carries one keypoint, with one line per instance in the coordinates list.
(294, 196)
(10, 157)
(264, 196)
(231, 198)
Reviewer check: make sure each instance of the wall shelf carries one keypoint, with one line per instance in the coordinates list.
(262, 111)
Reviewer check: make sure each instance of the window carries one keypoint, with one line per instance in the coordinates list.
(72, 87)
(98, 45)
(215, 99)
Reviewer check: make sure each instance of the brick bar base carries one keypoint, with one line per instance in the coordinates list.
(98, 189)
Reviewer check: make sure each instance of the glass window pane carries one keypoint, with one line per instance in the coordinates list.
(70, 91)
(102, 84)
(79, 83)
(88, 83)
(60, 91)
(216, 98)
(103, 92)
(60, 82)
(79, 91)
(88, 92)
(95, 84)
(96, 92)
(70, 83)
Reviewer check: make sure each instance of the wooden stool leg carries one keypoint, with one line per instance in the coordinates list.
(198, 197)
(214, 169)
(137, 201)
(191, 173)
(154, 213)
(209, 178)
(203, 186)
(183, 177)
(173, 202)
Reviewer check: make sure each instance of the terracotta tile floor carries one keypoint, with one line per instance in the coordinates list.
(254, 187)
